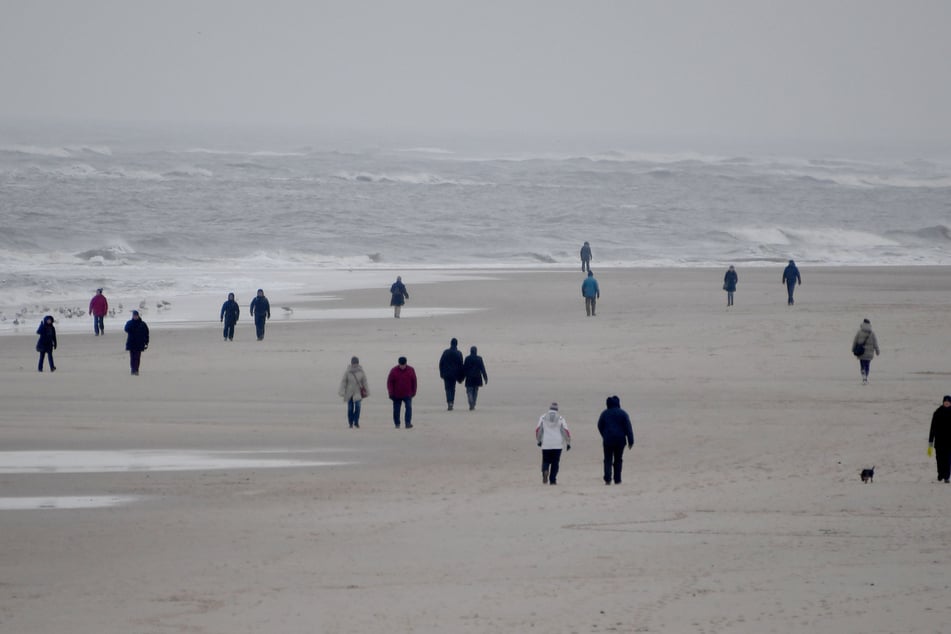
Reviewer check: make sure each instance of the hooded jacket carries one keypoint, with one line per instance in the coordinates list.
(353, 379)
(450, 364)
(98, 305)
(552, 430)
(867, 338)
(230, 311)
(47, 333)
(590, 288)
(940, 434)
(138, 335)
(474, 370)
(791, 274)
(729, 281)
(615, 425)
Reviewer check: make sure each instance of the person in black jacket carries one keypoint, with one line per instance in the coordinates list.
(261, 311)
(451, 370)
(230, 311)
(791, 277)
(47, 341)
(939, 438)
(136, 341)
(474, 370)
(615, 428)
(729, 284)
(398, 296)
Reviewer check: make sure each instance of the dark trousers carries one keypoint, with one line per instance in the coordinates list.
(590, 305)
(472, 393)
(47, 353)
(943, 457)
(450, 390)
(585, 265)
(353, 412)
(865, 366)
(613, 459)
(729, 298)
(397, 402)
(229, 330)
(259, 326)
(790, 288)
(550, 462)
(134, 357)
(98, 325)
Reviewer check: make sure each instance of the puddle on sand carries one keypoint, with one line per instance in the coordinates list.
(84, 502)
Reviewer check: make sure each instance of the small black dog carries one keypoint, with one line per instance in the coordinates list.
(868, 474)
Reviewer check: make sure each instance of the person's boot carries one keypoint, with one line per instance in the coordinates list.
(545, 475)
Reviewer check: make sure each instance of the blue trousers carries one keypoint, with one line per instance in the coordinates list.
(353, 412)
(397, 403)
(259, 325)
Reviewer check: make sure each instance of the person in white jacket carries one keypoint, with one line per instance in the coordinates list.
(550, 434)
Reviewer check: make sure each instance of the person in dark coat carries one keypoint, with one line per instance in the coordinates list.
(451, 370)
(939, 438)
(230, 311)
(261, 311)
(136, 340)
(401, 388)
(729, 284)
(474, 370)
(47, 342)
(398, 296)
(616, 431)
(585, 257)
(791, 277)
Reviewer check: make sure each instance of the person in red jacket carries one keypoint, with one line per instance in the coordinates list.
(401, 386)
(98, 308)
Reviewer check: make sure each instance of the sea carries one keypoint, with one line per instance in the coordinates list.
(162, 216)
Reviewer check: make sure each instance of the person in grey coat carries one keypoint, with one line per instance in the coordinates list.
(865, 347)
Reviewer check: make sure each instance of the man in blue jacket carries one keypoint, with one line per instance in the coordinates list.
(616, 431)
(791, 277)
(591, 294)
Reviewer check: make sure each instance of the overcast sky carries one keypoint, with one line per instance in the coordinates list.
(742, 69)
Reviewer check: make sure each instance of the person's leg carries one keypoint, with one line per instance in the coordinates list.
(450, 385)
(396, 411)
(587, 306)
(396, 311)
(471, 392)
(943, 458)
(608, 462)
(864, 367)
(409, 411)
(618, 462)
(546, 464)
(729, 298)
(49, 353)
(357, 406)
(350, 412)
(790, 288)
(40, 364)
(555, 462)
(594, 306)
(134, 357)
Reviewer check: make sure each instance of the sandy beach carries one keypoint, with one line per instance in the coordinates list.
(221, 491)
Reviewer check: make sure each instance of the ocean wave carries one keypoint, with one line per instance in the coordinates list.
(420, 178)
(34, 150)
(188, 171)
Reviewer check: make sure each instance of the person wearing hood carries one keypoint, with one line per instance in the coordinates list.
(585, 257)
(451, 370)
(47, 341)
(550, 434)
(591, 293)
(401, 388)
(137, 340)
(616, 431)
(261, 311)
(353, 389)
(939, 438)
(98, 308)
(474, 370)
(729, 284)
(865, 347)
(230, 311)
(791, 277)
(398, 296)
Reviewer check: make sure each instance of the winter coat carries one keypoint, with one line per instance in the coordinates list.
(230, 311)
(589, 287)
(98, 305)
(138, 335)
(791, 275)
(615, 426)
(729, 281)
(474, 369)
(940, 433)
(47, 340)
(260, 308)
(585, 253)
(866, 337)
(398, 294)
(552, 430)
(451, 364)
(353, 379)
(401, 383)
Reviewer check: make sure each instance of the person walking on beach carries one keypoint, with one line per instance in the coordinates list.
(98, 308)
(939, 438)
(401, 387)
(47, 342)
(398, 296)
(451, 370)
(136, 341)
(729, 284)
(865, 347)
(591, 293)
(616, 431)
(550, 434)
(261, 311)
(791, 277)
(585, 257)
(230, 311)
(474, 369)
(353, 389)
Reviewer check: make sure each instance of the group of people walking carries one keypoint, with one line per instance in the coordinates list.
(454, 369)
(260, 310)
